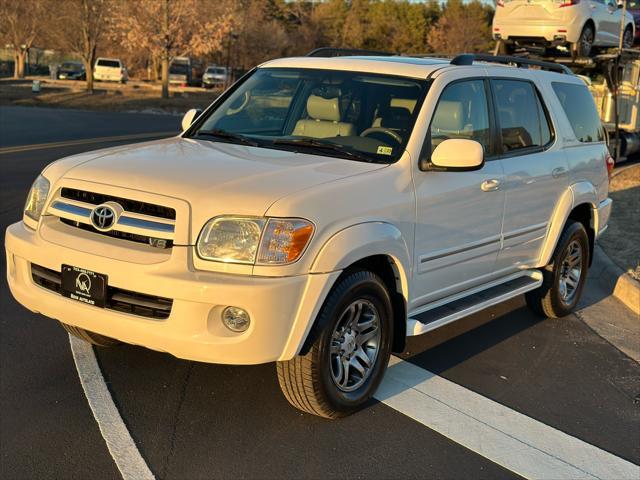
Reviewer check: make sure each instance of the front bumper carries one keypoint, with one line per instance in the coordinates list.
(282, 309)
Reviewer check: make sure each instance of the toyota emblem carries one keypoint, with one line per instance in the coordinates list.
(103, 217)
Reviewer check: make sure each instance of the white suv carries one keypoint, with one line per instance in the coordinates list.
(577, 24)
(110, 69)
(319, 212)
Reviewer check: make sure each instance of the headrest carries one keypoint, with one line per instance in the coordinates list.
(448, 116)
(407, 103)
(323, 108)
(396, 117)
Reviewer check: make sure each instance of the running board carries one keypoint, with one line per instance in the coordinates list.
(462, 305)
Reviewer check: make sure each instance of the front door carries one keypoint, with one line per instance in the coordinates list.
(459, 214)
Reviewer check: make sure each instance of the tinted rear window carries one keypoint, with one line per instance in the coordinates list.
(581, 111)
(109, 63)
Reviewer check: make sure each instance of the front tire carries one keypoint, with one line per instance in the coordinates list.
(344, 366)
(564, 278)
(90, 337)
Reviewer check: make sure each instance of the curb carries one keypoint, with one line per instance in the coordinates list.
(615, 281)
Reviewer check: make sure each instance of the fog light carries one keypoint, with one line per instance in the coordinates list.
(235, 319)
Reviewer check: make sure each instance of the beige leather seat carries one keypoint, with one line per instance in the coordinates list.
(325, 120)
(408, 104)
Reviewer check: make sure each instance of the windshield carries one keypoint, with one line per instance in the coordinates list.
(214, 70)
(74, 67)
(353, 115)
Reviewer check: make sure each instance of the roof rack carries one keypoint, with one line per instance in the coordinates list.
(345, 52)
(520, 62)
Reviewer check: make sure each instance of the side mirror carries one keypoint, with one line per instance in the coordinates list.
(189, 117)
(456, 155)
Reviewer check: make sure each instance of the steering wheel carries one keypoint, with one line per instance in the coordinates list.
(384, 130)
(244, 100)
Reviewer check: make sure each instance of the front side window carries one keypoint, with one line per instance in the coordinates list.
(461, 113)
(580, 108)
(522, 120)
(352, 115)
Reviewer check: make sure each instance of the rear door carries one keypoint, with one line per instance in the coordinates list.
(458, 219)
(535, 169)
(600, 16)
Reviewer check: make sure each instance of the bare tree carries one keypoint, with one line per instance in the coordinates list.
(21, 24)
(80, 27)
(462, 28)
(169, 28)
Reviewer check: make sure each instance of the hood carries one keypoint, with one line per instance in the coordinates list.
(215, 178)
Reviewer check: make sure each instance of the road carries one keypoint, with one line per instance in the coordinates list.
(194, 420)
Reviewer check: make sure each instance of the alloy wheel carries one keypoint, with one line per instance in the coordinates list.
(355, 343)
(570, 272)
(627, 39)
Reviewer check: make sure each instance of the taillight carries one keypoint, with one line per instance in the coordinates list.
(568, 3)
(610, 164)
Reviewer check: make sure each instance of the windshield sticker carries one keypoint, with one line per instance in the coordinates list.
(384, 150)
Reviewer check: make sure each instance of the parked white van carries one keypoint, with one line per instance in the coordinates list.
(110, 69)
(321, 211)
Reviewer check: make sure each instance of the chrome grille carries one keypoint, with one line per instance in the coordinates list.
(136, 221)
(134, 206)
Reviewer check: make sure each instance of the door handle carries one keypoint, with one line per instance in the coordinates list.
(490, 185)
(558, 172)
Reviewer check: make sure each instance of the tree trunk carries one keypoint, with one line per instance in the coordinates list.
(166, 50)
(165, 76)
(154, 67)
(18, 68)
(88, 67)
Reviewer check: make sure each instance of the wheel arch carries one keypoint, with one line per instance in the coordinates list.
(578, 203)
(378, 247)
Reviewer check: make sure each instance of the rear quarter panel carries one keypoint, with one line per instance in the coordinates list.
(586, 161)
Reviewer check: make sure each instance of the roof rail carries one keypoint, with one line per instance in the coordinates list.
(345, 52)
(520, 62)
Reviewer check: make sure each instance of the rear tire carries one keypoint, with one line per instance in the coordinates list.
(627, 38)
(90, 337)
(344, 366)
(584, 45)
(564, 278)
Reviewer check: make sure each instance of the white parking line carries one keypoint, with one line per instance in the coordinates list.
(510, 439)
(120, 444)
(504, 436)
(85, 141)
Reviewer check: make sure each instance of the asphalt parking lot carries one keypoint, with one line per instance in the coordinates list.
(194, 420)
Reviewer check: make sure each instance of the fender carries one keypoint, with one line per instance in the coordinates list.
(344, 248)
(577, 194)
(364, 240)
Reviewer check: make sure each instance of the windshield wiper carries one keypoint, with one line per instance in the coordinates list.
(228, 136)
(312, 144)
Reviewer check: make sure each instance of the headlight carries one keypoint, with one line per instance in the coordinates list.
(36, 198)
(230, 239)
(273, 241)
